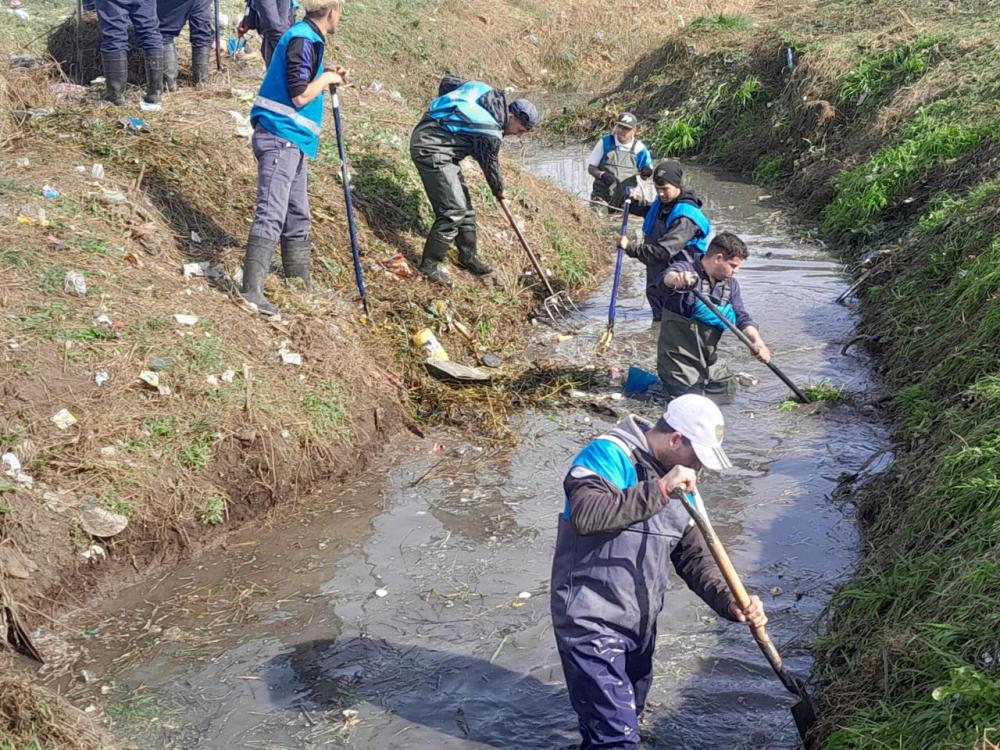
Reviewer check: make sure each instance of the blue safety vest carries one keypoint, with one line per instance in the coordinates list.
(682, 209)
(273, 108)
(459, 111)
(702, 314)
(640, 155)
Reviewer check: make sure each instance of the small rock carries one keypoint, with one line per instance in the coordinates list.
(186, 320)
(101, 522)
(158, 364)
(88, 676)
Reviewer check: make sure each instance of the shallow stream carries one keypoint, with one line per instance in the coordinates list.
(401, 597)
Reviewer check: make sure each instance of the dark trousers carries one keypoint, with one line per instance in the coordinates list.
(282, 211)
(114, 17)
(444, 183)
(654, 289)
(608, 679)
(173, 14)
(274, 17)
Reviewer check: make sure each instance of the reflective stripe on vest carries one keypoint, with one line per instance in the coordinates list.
(273, 109)
(702, 314)
(459, 111)
(685, 210)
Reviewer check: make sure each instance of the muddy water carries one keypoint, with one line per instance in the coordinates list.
(403, 598)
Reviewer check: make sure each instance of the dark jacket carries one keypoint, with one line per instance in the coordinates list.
(659, 247)
(617, 535)
(682, 301)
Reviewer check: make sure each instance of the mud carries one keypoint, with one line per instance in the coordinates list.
(391, 612)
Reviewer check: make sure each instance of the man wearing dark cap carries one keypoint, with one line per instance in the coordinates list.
(616, 162)
(469, 120)
(619, 534)
(674, 227)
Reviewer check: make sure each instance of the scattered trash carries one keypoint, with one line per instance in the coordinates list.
(381, 593)
(195, 237)
(438, 448)
(396, 96)
(150, 378)
(100, 522)
(75, 283)
(132, 259)
(447, 370)
(285, 434)
(212, 380)
(147, 107)
(287, 356)
(103, 320)
(88, 676)
(132, 123)
(561, 337)
(22, 14)
(63, 419)
(228, 376)
(745, 378)
(23, 162)
(235, 46)
(157, 363)
(94, 552)
(573, 393)
(37, 113)
(192, 270)
(432, 347)
(13, 344)
(12, 468)
(616, 375)
(243, 127)
(398, 266)
(524, 595)
(375, 86)
(616, 396)
(186, 320)
(114, 197)
(25, 61)
(533, 39)
(50, 192)
(68, 90)
(97, 172)
(101, 377)
(638, 380)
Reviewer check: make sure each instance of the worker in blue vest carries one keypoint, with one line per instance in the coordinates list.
(287, 118)
(617, 161)
(674, 226)
(470, 119)
(197, 14)
(619, 535)
(114, 17)
(689, 338)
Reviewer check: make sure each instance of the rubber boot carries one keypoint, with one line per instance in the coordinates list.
(295, 260)
(468, 258)
(169, 66)
(200, 57)
(115, 76)
(255, 267)
(430, 266)
(154, 76)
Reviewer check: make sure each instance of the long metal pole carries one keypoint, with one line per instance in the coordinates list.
(345, 173)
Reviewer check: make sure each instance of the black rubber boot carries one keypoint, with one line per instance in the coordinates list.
(295, 260)
(115, 76)
(200, 57)
(170, 66)
(430, 266)
(468, 257)
(154, 76)
(255, 267)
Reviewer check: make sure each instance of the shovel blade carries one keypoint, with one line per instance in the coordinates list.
(804, 716)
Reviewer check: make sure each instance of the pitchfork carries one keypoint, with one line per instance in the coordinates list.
(558, 304)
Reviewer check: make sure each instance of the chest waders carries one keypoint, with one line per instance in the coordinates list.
(622, 165)
(687, 348)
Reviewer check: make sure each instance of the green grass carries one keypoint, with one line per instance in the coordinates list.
(214, 511)
(672, 137)
(748, 92)
(720, 21)
(769, 169)
(570, 255)
(327, 410)
(878, 73)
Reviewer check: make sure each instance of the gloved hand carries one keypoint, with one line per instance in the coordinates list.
(242, 29)
(646, 172)
(608, 180)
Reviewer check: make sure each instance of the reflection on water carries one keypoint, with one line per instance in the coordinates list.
(417, 595)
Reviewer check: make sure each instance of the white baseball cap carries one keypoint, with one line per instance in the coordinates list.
(699, 420)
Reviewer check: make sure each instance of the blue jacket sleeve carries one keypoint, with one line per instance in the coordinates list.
(643, 159)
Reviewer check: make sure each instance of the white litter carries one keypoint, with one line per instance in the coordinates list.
(186, 320)
(74, 283)
(195, 237)
(381, 593)
(524, 595)
(97, 172)
(228, 376)
(63, 419)
(101, 377)
(103, 320)
(192, 270)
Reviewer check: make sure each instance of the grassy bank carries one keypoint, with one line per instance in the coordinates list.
(880, 123)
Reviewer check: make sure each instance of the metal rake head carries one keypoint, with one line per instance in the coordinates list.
(559, 306)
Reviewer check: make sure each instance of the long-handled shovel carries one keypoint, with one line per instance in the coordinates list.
(605, 340)
(749, 344)
(218, 45)
(802, 711)
(556, 305)
(345, 174)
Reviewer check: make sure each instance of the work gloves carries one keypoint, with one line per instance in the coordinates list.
(607, 179)
(646, 172)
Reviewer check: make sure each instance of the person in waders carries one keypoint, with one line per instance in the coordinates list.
(689, 339)
(113, 17)
(471, 119)
(674, 227)
(617, 161)
(619, 533)
(197, 14)
(287, 119)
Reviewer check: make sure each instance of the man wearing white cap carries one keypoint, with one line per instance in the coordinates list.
(619, 532)
(616, 162)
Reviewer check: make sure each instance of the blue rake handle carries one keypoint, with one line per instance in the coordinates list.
(346, 177)
(612, 307)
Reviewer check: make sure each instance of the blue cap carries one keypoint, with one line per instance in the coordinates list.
(525, 111)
